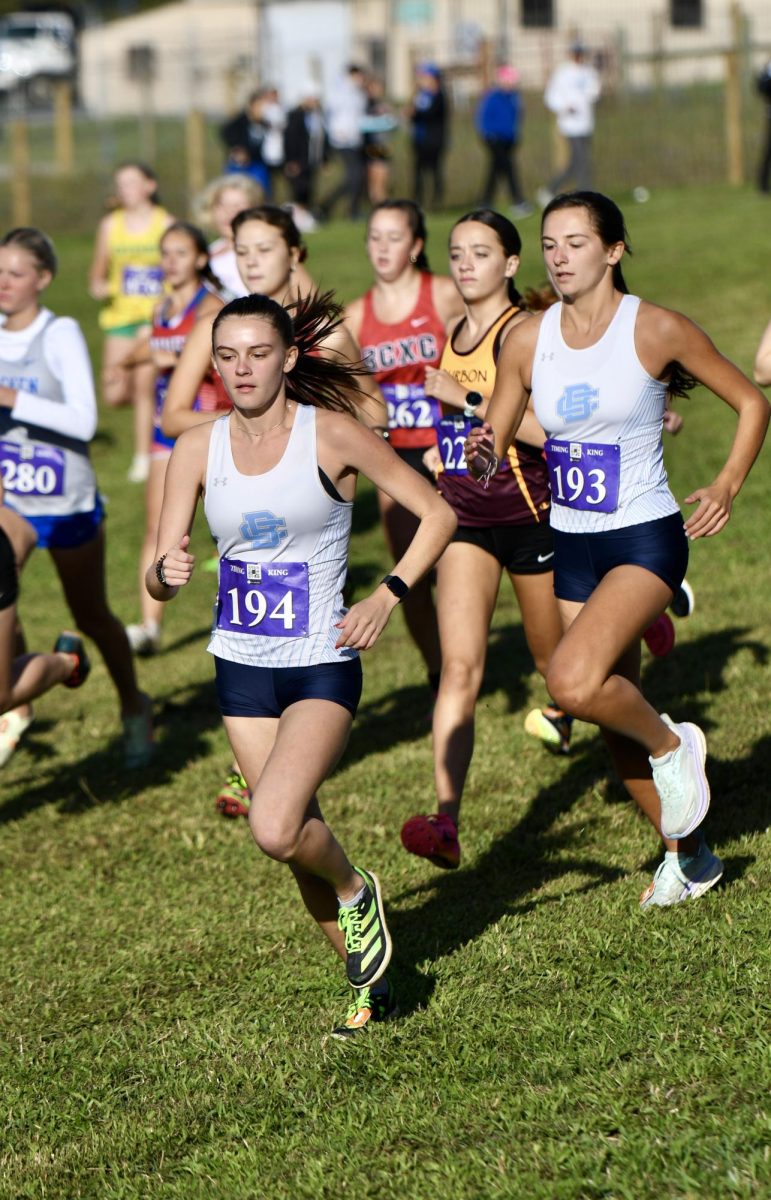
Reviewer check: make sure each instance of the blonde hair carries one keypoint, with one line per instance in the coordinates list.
(203, 204)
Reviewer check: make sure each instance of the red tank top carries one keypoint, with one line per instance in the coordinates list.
(212, 396)
(397, 355)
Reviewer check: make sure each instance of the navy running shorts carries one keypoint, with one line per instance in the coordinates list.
(247, 691)
(520, 549)
(9, 580)
(413, 457)
(581, 560)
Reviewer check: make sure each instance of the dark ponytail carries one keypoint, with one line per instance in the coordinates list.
(507, 235)
(607, 221)
(315, 379)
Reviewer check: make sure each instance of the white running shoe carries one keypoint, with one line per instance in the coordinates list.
(12, 726)
(144, 640)
(681, 781)
(139, 469)
(682, 877)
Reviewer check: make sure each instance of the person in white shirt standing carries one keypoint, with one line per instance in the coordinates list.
(346, 113)
(571, 93)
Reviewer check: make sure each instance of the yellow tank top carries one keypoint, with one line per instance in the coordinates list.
(135, 277)
(475, 369)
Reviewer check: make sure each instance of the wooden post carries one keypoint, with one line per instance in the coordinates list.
(64, 146)
(195, 143)
(733, 101)
(657, 47)
(20, 193)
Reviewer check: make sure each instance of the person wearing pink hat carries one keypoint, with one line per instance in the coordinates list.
(499, 122)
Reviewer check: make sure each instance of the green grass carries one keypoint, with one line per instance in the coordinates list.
(164, 1001)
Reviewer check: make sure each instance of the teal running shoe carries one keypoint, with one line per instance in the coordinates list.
(72, 644)
(367, 940)
(682, 877)
(370, 1005)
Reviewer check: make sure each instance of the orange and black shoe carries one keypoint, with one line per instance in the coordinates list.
(434, 837)
(370, 1005)
(72, 644)
(551, 726)
(233, 800)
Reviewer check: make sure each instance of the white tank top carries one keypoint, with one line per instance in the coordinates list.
(604, 412)
(284, 520)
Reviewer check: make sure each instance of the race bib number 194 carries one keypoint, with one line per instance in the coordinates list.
(584, 475)
(270, 599)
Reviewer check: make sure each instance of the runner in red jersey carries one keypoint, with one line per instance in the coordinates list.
(400, 325)
(190, 297)
(504, 528)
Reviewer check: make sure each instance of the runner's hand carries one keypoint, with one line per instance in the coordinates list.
(178, 564)
(479, 449)
(364, 622)
(442, 386)
(713, 512)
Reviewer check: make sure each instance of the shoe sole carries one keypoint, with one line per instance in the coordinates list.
(696, 739)
(228, 807)
(374, 887)
(423, 844)
(345, 1033)
(540, 727)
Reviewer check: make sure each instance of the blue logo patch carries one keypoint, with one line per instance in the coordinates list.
(263, 529)
(577, 402)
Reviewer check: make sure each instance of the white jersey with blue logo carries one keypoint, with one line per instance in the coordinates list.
(279, 517)
(603, 396)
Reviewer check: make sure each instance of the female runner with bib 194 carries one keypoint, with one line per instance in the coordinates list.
(278, 476)
(599, 365)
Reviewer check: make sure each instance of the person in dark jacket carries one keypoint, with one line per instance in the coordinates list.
(428, 116)
(499, 124)
(306, 147)
(243, 137)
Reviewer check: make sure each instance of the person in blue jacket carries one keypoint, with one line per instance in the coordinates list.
(499, 123)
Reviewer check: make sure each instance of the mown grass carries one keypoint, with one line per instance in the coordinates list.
(164, 1001)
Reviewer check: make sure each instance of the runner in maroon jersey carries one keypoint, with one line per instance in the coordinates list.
(400, 325)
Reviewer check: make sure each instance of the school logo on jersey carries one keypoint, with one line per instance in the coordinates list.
(577, 402)
(401, 352)
(263, 529)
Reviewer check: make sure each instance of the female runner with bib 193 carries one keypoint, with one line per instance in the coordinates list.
(278, 476)
(599, 365)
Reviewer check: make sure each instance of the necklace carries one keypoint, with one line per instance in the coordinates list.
(261, 432)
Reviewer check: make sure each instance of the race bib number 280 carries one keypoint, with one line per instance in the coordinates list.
(270, 599)
(29, 469)
(584, 475)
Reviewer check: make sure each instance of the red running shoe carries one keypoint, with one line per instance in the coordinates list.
(660, 636)
(233, 800)
(434, 837)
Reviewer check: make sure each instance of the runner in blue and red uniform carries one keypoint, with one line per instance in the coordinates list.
(400, 324)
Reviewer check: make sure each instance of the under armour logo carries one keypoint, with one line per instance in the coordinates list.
(220, 481)
(263, 529)
(577, 402)
(546, 356)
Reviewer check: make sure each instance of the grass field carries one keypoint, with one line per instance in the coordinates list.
(164, 1001)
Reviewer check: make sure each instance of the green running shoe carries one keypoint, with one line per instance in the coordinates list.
(367, 940)
(233, 799)
(369, 1005)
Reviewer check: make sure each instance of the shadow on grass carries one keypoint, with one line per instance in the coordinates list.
(182, 720)
(461, 905)
(404, 715)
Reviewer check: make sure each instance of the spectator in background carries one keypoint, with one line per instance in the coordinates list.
(499, 124)
(273, 117)
(428, 116)
(345, 127)
(764, 87)
(571, 94)
(306, 149)
(380, 124)
(244, 136)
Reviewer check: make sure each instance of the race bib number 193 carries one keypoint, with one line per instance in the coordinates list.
(584, 475)
(270, 599)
